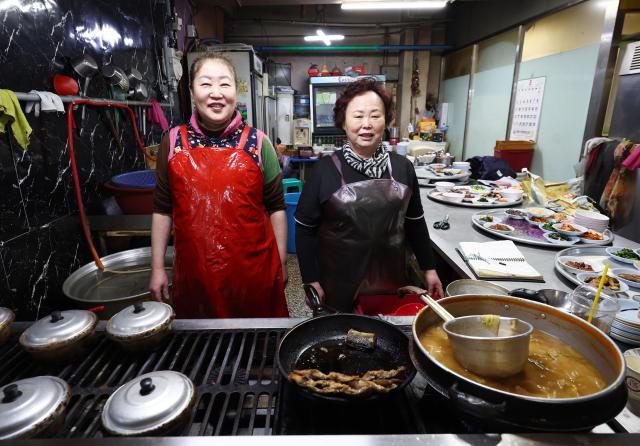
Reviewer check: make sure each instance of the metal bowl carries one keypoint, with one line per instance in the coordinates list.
(470, 286)
(89, 287)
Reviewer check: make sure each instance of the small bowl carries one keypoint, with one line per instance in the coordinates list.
(479, 189)
(623, 286)
(597, 267)
(536, 223)
(571, 241)
(617, 271)
(512, 194)
(539, 212)
(453, 197)
(541, 226)
(461, 189)
(513, 213)
(499, 231)
(483, 200)
(444, 186)
(605, 238)
(580, 229)
(435, 166)
(611, 250)
(495, 219)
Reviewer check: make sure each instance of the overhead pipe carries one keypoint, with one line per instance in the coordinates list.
(32, 97)
(356, 48)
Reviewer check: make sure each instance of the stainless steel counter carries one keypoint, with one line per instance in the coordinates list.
(462, 230)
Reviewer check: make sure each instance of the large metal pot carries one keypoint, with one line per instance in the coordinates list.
(506, 411)
(89, 287)
(33, 407)
(142, 326)
(60, 336)
(6, 319)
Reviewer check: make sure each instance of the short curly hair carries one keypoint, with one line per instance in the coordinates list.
(357, 88)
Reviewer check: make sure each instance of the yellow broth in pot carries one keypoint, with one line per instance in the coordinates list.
(553, 370)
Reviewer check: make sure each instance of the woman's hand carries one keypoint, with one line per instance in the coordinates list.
(159, 284)
(432, 281)
(320, 291)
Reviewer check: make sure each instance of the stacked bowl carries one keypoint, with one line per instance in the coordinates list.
(592, 220)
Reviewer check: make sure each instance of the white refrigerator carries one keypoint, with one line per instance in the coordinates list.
(249, 71)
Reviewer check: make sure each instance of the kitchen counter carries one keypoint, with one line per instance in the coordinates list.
(462, 230)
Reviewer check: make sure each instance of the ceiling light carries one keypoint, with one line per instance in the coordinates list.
(321, 36)
(426, 4)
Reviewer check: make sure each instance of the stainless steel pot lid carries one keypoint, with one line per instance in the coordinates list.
(59, 326)
(148, 403)
(139, 319)
(30, 405)
(6, 316)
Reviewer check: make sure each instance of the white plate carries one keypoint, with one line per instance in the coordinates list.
(625, 334)
(623, 286)
(597, 267)
(571, 241)
(580, 229)
(536, 223)
(511, 228)
(611, 249)
(629, 317)
(496, 219)
(628, 304)
(540, 225)
(479, 189)
(623, 339)
(625, 329)
(617, 271)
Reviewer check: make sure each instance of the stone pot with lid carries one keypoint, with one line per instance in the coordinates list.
(61, 335)
(141, 326)
(6, 319)
(33, 407)
(156, 403)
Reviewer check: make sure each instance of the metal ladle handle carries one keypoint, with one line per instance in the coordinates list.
(437, 308)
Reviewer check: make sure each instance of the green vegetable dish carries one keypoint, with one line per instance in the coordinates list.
(627, 253)
(548, 227)
(558, 236)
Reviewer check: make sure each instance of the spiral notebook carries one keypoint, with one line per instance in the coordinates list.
(498, 261)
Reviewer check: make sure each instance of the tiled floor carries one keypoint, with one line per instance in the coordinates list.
(294, 291)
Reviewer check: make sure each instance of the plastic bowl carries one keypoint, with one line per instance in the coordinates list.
(571, 241)
(453, 197)
(611, 250)
(617, 271)
(444, 186)
(580, 229)
(512, 193)
(499, 231)
(584, 276)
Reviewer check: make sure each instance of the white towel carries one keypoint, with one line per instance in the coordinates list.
(49, 102)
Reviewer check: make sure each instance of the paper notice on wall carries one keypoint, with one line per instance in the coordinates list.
(526, 112)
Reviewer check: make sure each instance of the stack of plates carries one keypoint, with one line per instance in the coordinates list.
(626, 327)
(592, 220)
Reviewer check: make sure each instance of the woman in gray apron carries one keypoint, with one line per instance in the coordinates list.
(360, 208)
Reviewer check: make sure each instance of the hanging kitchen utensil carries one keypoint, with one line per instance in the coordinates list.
(134, 76)
(320, 343)
(64, 85)
(61, 335)
(86, 67)
(141, 326)
(116, 76)
(33, 406)
(6, 319)
(108, 121)
(155, 403)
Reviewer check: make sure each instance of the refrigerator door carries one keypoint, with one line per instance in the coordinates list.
(323, 99)
(270, 123)
(259, 102)
(284, 104)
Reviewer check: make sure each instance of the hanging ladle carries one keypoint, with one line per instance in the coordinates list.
(86, 67)
(488, 345)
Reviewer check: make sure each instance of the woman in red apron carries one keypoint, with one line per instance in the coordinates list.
(361, 208)
(220, 192)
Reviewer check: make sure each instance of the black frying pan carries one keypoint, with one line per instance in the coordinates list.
(303, 347)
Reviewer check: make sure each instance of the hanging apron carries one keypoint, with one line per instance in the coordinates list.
(226, 257)
(361, 240)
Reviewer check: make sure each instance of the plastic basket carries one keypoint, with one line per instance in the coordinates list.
(139, 179)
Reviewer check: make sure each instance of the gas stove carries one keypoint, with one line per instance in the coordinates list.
(233, 365)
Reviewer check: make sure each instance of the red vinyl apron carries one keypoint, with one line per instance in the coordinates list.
(226, 256)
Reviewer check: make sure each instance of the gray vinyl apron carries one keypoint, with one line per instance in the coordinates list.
(361, 240)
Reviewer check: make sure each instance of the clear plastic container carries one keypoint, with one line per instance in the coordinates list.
(581, 301)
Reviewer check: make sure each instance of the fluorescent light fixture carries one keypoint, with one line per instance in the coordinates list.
(426, 4)
(322, 37)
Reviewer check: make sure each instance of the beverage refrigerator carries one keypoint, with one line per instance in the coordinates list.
(324, 92)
